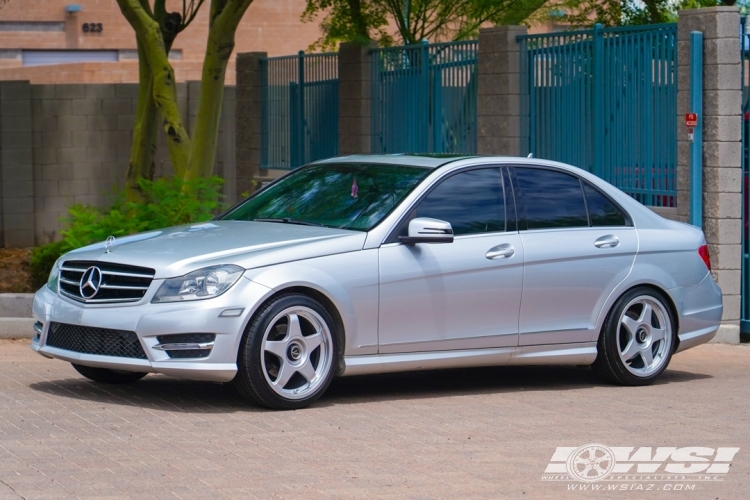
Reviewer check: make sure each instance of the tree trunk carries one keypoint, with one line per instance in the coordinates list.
(164, 92)
(653, 10)
(157, 98)
(206, 127)
(143, 149)
(224, 18)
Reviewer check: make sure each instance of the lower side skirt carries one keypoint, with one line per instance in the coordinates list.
(561, 354)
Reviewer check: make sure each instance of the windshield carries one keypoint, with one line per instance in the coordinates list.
(346, 196)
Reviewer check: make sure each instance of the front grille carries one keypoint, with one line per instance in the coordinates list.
(187, 338)
(118, 283)
(90, 340)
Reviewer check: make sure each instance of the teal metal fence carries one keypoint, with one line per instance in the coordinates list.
(424, 98)
(605, 100)
(745, 51)
(300, 109)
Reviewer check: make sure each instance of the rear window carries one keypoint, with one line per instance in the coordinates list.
(602, 211)
(552, 199)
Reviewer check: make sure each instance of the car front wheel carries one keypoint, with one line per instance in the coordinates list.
(637, 339)
(287, 355)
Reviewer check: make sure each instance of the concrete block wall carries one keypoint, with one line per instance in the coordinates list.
(65, 144)
(722, 148)
(16, 179)
(81, 139)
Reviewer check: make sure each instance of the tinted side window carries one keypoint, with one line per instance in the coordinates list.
(552, 199)
(601, 210)
(472, 202)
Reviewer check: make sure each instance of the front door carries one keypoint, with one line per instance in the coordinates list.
(459, 295)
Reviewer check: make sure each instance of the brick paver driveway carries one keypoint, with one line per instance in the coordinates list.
(481, 433)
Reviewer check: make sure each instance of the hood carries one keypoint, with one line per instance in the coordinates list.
(179, 250)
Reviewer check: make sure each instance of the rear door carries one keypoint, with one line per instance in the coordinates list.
(578, 245)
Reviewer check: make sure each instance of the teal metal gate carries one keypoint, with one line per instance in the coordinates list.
(605, 100)
(300, 109)
(424, 98)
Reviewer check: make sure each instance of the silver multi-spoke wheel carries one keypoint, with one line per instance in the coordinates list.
(296, 352)
(289, 353)
(637, 338)
(645, 337)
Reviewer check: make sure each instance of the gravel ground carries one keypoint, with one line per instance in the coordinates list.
(15, 273)
(474, 433)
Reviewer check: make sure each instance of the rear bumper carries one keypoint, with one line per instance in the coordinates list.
(151, 320)
(699, 308)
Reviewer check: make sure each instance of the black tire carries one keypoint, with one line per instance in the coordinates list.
(107, 376)
(613, 340)
(256, 379)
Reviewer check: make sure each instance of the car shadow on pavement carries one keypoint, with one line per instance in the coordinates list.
(467, 381)
(159, 392)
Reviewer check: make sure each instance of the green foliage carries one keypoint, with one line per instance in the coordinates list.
(43, 258)
(414, 20)
(168, 202)
(586, 13)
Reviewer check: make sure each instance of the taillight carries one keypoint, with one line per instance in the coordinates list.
(703, 252)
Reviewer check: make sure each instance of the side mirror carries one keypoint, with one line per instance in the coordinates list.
(426, 230)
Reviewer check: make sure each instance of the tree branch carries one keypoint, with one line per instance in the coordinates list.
(360, 27)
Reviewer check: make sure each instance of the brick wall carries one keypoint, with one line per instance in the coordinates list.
(66, 144)
(272, 26)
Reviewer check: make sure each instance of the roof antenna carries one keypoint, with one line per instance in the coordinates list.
(531, 155)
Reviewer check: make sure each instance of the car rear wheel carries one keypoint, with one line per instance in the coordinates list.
(287, 357)
(107, 376)
(637, 339)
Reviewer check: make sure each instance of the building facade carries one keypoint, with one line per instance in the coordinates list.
(89, 41)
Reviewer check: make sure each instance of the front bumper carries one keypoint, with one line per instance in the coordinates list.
(148, 321)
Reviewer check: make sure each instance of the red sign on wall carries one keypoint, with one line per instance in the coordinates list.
(691, 119)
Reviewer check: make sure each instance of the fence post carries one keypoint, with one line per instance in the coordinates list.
(249, 119)
(354, 99)
(696, 145)
(598, 99)
(722, 148)
(499, 91)
(303, 158)
(436, 106)
(424, 139)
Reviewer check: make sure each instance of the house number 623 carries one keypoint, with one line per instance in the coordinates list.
(92, 27)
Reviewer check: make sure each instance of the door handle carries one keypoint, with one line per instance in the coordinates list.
(503, 251)
(609, 240)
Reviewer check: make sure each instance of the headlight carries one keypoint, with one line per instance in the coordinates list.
(54, 276)
(204, 283)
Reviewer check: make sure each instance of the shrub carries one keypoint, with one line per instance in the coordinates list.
(168, 202)
(42, 259)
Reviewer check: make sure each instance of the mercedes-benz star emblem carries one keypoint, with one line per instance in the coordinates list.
(109, 244)
(91, 281)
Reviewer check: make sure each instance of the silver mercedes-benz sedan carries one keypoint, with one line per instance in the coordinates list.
(372, 264)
